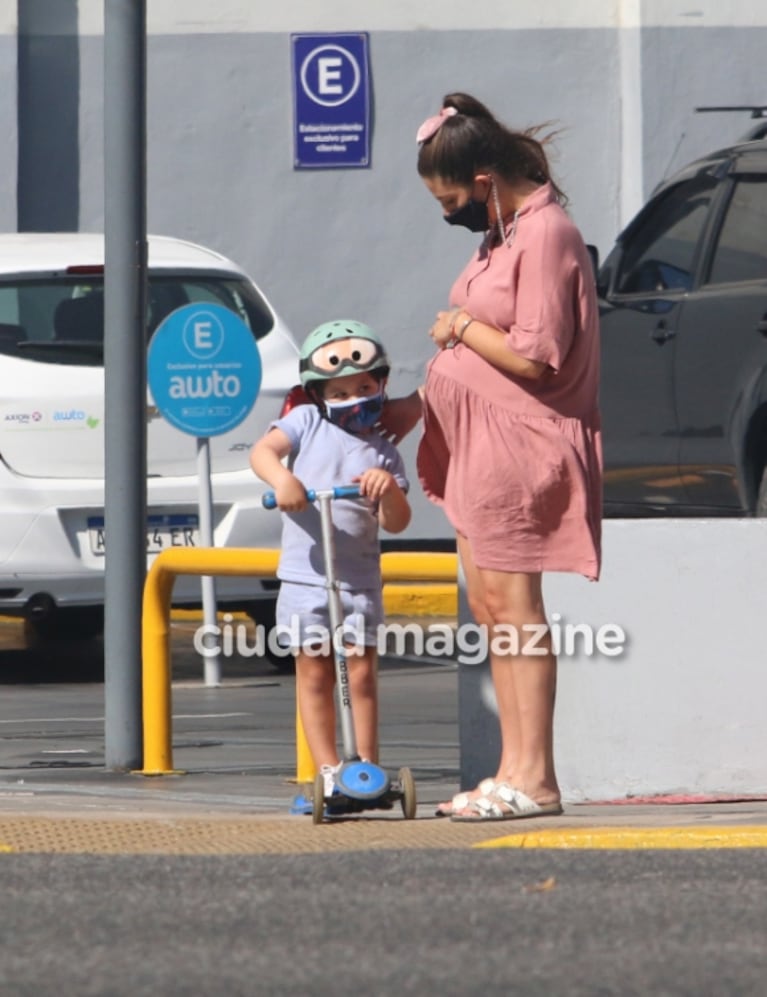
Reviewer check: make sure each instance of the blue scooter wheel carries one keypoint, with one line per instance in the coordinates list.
(362, 780)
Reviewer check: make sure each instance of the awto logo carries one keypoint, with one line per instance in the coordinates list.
(73, 415)
(213, 385)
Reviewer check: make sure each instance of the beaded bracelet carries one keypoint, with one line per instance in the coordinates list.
(459, 335)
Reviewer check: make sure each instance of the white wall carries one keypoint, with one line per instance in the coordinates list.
(682, 710)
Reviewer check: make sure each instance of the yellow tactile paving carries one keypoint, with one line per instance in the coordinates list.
(240, 836)
(294, 835)
(616, 838)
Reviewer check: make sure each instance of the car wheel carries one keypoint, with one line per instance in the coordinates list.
(760, 508)
(77, 623)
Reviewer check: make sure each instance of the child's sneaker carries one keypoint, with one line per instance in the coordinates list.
(329, 775)
(335, 802)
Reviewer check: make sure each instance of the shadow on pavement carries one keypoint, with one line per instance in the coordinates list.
(54, 661)
(77, 661)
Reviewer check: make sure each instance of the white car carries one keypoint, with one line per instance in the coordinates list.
(52, 430)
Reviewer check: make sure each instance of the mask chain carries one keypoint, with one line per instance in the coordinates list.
(499, 219)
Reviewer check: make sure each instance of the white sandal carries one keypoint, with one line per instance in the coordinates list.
(461, 801)
(504, 802)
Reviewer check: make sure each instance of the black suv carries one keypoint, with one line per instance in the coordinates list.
(683, 305)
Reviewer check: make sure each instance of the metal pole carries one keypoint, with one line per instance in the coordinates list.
(124, 374)
(212, 668)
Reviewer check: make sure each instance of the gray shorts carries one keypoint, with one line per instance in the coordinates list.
(303, 617)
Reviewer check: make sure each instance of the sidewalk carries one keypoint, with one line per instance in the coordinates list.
(201, 813)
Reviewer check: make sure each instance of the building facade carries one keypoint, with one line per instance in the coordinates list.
(617, 80)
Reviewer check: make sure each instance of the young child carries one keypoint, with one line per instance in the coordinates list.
(343, 368)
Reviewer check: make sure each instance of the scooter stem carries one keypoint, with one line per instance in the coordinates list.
(343, 690)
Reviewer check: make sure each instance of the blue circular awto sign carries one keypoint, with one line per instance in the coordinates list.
(204, 369)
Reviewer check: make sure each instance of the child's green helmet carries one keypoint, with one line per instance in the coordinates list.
(342, 347)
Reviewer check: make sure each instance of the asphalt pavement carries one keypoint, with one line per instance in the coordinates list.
(385, 923)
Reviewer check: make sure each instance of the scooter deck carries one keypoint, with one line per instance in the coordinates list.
(340, 805)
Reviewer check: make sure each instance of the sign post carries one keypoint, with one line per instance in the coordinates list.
(125, 281)
(204, 373)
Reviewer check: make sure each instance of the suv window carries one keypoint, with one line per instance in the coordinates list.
(660, 253)
(61, 320)
(741, 250)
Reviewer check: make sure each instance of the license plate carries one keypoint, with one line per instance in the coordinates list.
(162, 531)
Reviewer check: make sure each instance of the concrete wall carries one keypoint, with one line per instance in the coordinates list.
(617, 78)
(8, 114)
(682, 709)
(49, 152)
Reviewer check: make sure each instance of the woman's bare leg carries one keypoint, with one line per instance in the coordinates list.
(509, 724)
(508, 715)
(525, 682)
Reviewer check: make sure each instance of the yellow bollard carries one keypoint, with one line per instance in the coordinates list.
(306, 768)
(158, 588)
(156, 696)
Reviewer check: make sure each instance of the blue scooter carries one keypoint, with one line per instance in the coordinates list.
(361, 785)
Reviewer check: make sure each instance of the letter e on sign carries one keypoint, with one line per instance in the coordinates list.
(329, 73)
(202, 334)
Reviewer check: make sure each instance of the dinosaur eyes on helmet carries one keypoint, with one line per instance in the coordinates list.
(357, 354)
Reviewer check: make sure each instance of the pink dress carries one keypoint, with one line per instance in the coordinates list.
(516, 463)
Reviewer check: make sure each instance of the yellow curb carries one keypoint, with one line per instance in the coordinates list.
(428, 599)
(420, 600)
(734, 836)
(5, 848)
(181, 615)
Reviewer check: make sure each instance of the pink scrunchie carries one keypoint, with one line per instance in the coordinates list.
(432, 125)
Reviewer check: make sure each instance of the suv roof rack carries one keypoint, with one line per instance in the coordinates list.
(755, 110)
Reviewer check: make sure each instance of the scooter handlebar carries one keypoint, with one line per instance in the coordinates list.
(269, 499)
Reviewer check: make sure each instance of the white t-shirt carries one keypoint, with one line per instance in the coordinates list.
(323, 456)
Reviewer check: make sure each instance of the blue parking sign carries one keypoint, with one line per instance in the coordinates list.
(204, 369)
(331, 92)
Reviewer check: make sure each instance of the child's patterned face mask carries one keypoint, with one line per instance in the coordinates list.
(357, 415)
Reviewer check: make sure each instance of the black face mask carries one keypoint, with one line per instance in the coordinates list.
(472, 215)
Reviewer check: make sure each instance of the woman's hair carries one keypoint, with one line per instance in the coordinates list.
(471, 141)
